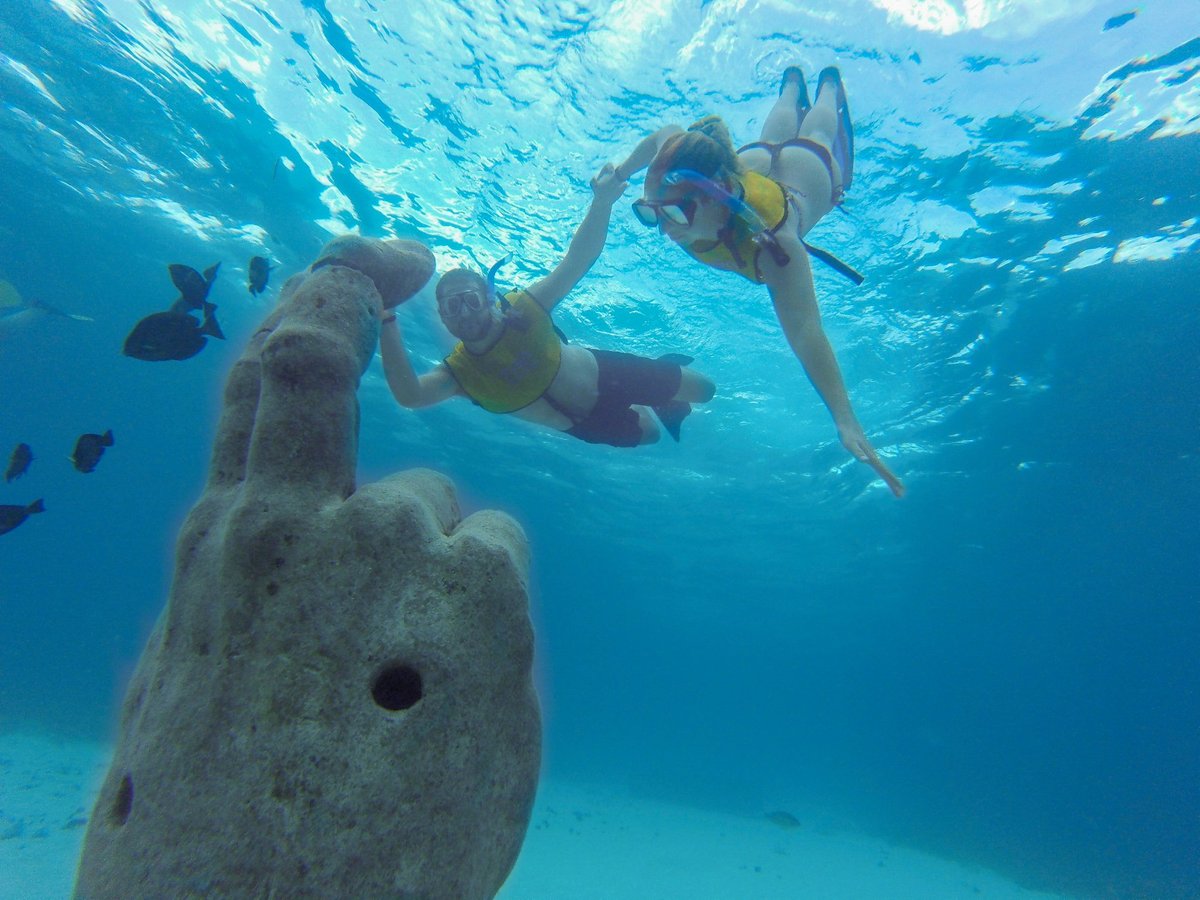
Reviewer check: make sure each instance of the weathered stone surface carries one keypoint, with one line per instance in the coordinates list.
(399, 268)
(337, 699)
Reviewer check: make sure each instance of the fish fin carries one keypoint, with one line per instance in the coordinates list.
(210, 326)
(55, 311)
(106, 439)
(181, 306)
(179, 275)
(9, 295)
(36, 506)
(210, 273)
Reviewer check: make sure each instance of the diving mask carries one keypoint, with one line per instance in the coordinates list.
(680, 212)
(452, 305)
(752, 221)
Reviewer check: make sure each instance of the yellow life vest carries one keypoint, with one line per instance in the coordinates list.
(519, 367)
(735, 249)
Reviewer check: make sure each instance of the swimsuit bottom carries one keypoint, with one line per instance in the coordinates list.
(812, 147)
(626, 380)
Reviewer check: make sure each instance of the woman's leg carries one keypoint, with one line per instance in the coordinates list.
(786, 116)
(830, 127)
(820, 125)
(804, 170)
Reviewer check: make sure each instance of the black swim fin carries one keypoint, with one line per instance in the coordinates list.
(671, 414)
(678, 359)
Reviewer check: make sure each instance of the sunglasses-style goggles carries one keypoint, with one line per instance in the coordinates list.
(681, 212)
(452, 305)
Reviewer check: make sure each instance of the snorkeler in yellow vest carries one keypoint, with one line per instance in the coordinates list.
(748, 211)
(510, 359)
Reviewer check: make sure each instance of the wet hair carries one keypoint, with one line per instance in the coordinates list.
(457, 280)
(705, 147)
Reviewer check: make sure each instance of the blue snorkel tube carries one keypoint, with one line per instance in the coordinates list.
(755, 224)
(739, 207)
(491, 277)
(493, 297)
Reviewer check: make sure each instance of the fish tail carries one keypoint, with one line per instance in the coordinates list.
(210, 326)
(36, 506)
(9, 295)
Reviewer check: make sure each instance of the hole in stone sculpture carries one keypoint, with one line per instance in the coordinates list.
(123, 802)
(397, 687)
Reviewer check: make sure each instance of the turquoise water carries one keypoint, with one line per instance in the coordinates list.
(1000, 668)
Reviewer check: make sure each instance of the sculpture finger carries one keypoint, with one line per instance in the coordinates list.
(305, 433)
(227, 468)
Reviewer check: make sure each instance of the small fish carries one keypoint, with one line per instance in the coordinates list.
(1118, 21)
(193, 287)
(171, 335)
(258, 273)
(15, 309)
(12, 516)
(19, 462)
(783, 819)
(89, 448)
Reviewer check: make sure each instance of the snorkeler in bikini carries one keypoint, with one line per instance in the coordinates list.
(748, 211)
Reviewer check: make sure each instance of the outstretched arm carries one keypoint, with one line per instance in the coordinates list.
(795, 300)
(408, 389)
(587, 243)
(643, 154)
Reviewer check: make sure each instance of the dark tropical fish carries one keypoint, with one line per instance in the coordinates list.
(193, 287)
(259, 272)
(12, 516)
(89, 448)
(1118, 21)
(783, 819)
(18, 462)
(174, 334)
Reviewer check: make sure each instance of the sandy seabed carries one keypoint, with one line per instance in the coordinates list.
(584, 843)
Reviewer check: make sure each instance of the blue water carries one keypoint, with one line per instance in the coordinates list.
(1001, 667)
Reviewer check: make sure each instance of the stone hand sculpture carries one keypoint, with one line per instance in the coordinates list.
(337, 699)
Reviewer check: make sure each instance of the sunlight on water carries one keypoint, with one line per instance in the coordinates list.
(1025, 208)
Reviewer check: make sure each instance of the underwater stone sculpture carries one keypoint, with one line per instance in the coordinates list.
(337, 700)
